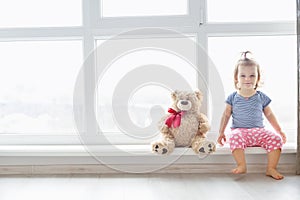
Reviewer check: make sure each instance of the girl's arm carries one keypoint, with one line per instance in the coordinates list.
(273, 121)
(224, 121)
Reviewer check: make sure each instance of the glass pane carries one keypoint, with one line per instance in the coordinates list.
(277, 56)
(144, 95)
(121, 8)
(36, 83)
(254, 10)
(37, 13)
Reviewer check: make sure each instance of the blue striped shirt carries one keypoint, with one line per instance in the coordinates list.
(248, 112)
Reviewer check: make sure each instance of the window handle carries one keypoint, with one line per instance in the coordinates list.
(201, 21)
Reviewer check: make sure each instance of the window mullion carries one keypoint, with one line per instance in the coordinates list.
(89, 45)
(267, 28)
(41, 33)
(198, 9)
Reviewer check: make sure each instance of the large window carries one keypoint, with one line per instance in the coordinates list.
(277, 57)
(36, 13)
(267, 28)
(251, 11)
(36, 83)
(137, 85)
(133, 8)
(48, 49)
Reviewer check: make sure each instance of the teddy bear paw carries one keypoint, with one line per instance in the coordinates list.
(207, 147)
(159, 148)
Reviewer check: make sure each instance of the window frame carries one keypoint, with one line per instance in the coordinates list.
(298, 90)
(236, 29)
(94, 28)
(91, 29)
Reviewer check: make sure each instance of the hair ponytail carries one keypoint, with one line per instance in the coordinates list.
(245, 57)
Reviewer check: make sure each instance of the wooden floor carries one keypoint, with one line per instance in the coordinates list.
(150, 186)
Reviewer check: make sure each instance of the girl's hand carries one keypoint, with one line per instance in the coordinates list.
(222, 139)
(283, 136)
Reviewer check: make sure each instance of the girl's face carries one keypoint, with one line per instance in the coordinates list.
(247, 77)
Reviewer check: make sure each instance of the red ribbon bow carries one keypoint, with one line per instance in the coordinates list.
(174, 119)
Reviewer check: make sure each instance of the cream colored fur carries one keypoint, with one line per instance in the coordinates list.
(192, 130)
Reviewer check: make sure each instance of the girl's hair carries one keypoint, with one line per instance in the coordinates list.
(246, 60)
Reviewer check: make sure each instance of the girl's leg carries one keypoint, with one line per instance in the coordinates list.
(237, 146)
(240, 160)
(273, 158)
(273, 144)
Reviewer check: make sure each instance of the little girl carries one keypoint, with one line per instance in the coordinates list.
(247, 106)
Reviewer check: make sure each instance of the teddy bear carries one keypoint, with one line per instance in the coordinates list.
(184, 126)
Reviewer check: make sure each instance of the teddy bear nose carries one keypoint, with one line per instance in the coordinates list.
(184, 102)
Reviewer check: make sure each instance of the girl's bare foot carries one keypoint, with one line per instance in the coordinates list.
(240, 169)
(274, 174)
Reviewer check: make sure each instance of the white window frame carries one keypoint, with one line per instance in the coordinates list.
(93, 28)
(236, 29)
(102, 28)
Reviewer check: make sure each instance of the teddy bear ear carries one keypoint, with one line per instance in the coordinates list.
(199, 95)
(174, 95)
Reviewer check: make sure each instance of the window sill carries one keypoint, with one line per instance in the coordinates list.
(75, 159)
(116, 150)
